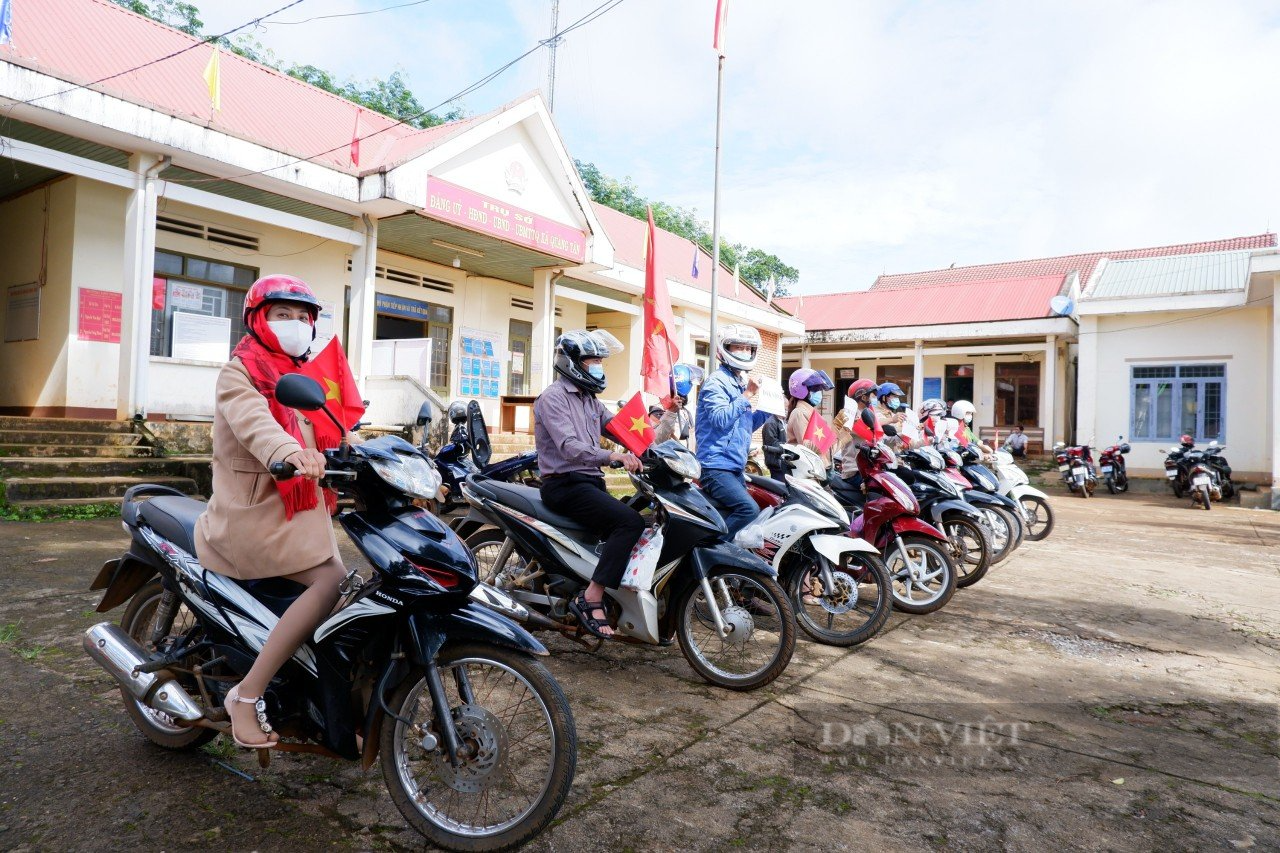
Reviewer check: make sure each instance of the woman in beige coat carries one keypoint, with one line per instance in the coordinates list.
(805, 389)
(258, 527)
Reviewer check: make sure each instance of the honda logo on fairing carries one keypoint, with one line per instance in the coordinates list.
(380, 594)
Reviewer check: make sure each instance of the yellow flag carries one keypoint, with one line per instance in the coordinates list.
(213, 77)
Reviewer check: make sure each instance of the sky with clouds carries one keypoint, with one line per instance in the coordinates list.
(870, 136)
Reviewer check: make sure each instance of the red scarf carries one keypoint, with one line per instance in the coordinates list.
(266, 364)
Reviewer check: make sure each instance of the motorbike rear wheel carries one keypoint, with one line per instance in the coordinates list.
(852, 613)
(1111, 485)
(1206, 499)
(139, 622)
(763, 638)
(970, 549)
(517, 734)
(1038, 516)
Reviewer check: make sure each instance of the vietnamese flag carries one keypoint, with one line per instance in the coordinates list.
(342, 397)
(819, 433)
(861, 431)
(660, 351)
(630, 427)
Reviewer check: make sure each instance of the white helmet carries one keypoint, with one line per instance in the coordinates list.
(933, 408)
(962, 410)
(737, 334)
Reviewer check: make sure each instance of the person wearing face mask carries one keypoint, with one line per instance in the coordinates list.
(890, 409)
(258, 527)
(725, 423)
(805, 390)
(677, 421)
(962, 412)
(567, 424)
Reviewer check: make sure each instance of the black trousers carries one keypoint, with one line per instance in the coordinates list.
(584, 498)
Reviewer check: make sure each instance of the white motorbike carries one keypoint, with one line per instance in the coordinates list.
(839, 587)
(1036, 513)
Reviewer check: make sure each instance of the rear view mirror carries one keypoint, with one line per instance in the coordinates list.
(300, 392)
(868, 418)
(424, 415)
(890, 430)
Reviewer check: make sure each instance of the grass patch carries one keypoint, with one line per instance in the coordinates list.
(220, 747)
(8, 633)
(9, 512)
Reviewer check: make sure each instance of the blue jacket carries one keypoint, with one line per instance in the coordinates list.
(724, 423)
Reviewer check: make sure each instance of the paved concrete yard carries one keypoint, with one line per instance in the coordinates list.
(1112, 688)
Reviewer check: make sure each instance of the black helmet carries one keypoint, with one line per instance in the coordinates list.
(572, 347)
(457, 412)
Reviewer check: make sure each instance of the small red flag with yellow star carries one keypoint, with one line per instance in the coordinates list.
(820, 433)
(630, 427)
(342, 396)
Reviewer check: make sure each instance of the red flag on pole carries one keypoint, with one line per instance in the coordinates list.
(630, 427)
(660, 351)
(722, 21)
(355, 140)
(819, 433)
(342, 397)
(861, 431)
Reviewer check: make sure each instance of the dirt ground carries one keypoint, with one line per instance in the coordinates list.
(1112, 688)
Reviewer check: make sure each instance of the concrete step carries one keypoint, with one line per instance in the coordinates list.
(111, 451)
(66, 502)
(13, 422)
(10, 436)
(19, 490)
(55, 466)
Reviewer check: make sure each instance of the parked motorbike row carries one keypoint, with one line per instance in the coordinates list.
(1201, 473)
(428, 666)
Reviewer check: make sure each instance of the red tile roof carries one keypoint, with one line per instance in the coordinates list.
(85, 40)
(1063, 264)
(1025, 298)
(675, 255)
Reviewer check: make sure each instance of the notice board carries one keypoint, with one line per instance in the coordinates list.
(99, 316)
(22, 312)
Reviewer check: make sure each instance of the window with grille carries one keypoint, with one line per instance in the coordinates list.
(1168, 401)
(196, 286)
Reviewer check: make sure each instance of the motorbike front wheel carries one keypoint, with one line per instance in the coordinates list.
(518, 750)
(928, 581)
(1004, 534)
(761, 630)
(851, 613)
(1038, 516)
(970, 549)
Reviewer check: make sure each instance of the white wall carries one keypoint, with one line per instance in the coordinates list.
(1235, 337)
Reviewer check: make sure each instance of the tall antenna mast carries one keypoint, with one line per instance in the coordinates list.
(552, 43)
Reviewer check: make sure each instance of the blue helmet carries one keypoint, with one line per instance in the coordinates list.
(888, 388)
(685, 377)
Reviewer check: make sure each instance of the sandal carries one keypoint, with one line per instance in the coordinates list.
(260, 706)
(583, 609)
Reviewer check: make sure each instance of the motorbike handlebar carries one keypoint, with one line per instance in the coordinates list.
(286, 470)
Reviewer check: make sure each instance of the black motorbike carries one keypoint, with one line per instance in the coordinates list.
(733, 621)
(421, 667)
(1004, 514)
(1204, 473)
(943, 502)
(468, 452)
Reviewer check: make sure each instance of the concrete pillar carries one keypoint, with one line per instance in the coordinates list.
(1049, 390)
(364, 314)
(1087, 387)
(135, 305)
(544, 329)
(1275, 392)
(917, 377)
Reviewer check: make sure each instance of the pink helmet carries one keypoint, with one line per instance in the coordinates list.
(805, 381)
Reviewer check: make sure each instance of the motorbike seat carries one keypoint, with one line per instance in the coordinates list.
(847, 492)
(769, 485)
(174, 518)
(525, 499)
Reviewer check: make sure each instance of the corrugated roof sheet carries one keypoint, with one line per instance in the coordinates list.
(85, 40)
(675, 255)
(955, 302)
(1065, 264)
(1178, 275)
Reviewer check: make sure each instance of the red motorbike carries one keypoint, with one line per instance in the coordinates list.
(1075, 463)
(916, 553)
(1112, 467)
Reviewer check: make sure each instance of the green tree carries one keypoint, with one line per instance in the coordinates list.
(180, 16)
(756, 266)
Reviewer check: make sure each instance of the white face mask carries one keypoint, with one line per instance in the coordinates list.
(294, 336)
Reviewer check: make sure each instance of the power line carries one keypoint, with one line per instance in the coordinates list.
(347, 14)
(597, 12)
(157, 60)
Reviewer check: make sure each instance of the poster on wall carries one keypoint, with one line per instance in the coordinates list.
(22, 313)
(199, 337)
(99, 316)
(186, 297)
(480, 370)
(932, 387)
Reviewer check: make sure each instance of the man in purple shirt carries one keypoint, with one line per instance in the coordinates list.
(568, 420)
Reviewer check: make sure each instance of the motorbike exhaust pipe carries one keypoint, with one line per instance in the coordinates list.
(117, 653)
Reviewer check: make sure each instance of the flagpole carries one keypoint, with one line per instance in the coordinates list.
(715, 220)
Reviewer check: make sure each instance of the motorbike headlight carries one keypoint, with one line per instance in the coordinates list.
(412, 475)
(684, 465)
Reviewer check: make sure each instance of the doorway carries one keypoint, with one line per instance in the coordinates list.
(520, 335)
(958, 383)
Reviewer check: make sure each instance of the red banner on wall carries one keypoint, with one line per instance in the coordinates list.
(459, 205)
(99, 318)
